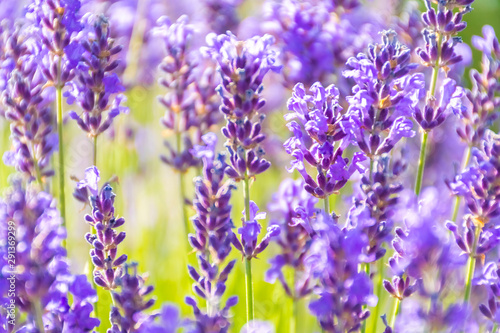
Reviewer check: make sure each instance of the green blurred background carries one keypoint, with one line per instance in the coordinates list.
(147, 196)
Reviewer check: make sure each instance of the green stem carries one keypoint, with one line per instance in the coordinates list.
(395, 311)
(378, 290)
(62, 197)
(37, 307)
(327, 205)
(94, 157)
(371, 168)
(249, 289)
(471, 265)
(182, 189)
(495, 328)
(295, 316)
(421, 163)
(465, 162)
(248, 262)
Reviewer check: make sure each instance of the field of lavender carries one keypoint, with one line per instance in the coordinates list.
(253, 166)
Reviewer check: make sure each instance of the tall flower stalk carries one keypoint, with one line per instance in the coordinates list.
(482, 100)
(57, 23)
(97, 88)
(27, 108)
(243, 66)
(441, 28)
(189, 99)
(212, 240)
(478, 186)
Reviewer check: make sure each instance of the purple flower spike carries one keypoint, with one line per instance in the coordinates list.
(190, 101)
(108, 266)
(212, 239)
(130, 302)
(250, 231)
(315, 141)
(380, 100)
(97, 88)
(482, 102)
(27, 108)
(243, 66)
(478, 184)
(57, 24)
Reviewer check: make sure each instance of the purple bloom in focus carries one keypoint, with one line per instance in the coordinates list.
(97, 88)
(250, 231)
(380, 99)
(243, 66)
(108, 266)
(320, 116)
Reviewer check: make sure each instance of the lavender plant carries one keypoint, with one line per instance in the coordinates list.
(243, 66)
(97, 89)
(55, 25)
(482, 100)
(27, 108)
(440, 36)
(320, 141)
(189, 101)
(212, 240)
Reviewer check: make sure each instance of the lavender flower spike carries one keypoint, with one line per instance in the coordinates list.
(377, 117)
(319, 139)
(27, 108)
(97, 89)
(212, 240)
(440, 38)
(243, 66)
(108, 265)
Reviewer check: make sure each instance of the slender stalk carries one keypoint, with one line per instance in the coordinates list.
(327, 205)
(421, 163)
(456, 205)
(37, 308)
(471, 265)
(378, 290)
(248, 263)
(395, 311)
(94, 157)
(62, 197)
(371, 168)
(295, 315)
(182, 189)
(495, 328)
